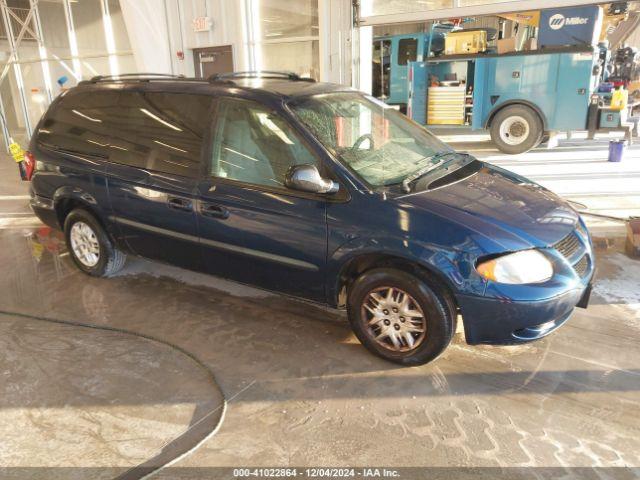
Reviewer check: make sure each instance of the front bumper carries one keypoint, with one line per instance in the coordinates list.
(513, 314)
(497, 321)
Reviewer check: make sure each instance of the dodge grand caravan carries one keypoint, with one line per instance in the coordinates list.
(315, 191)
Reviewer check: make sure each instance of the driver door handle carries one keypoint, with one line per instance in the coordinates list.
(215, 211)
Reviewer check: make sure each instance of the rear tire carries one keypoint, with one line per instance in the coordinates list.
(89, 245)
(412, 325)
(516, 129)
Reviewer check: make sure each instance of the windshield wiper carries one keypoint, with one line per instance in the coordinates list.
(436, 161)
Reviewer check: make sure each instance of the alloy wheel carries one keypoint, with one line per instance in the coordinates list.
(84, 244)
(394, 319)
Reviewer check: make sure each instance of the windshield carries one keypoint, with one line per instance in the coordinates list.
(377, 142)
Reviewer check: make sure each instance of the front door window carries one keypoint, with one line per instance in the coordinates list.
(254, 145)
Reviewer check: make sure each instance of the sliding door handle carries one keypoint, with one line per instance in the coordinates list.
(215, 211)
(177, 203)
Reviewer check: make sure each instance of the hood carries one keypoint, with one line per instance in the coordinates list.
(504, 202)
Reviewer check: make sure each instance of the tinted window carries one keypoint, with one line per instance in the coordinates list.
(407, 50)
(161, 132)
(255, 145)
(80, 123)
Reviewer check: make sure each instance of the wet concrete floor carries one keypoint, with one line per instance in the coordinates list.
(300, 390)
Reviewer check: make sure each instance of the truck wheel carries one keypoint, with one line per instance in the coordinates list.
(516, 129)
(89, 245)
(400, 317)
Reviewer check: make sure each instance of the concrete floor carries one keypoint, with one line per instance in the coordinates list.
(299, 389)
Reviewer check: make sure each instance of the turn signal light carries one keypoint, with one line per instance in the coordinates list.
(488, 270)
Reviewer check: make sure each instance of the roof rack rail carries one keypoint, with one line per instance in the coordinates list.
(259, 74)
(135, 76)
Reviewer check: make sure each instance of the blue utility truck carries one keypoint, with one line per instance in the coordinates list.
(519, 97)
(391, 58)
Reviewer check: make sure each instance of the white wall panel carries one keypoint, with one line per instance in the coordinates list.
(227, 27)
(147, 26)
(158, 29)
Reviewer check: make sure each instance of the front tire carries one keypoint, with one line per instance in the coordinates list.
(400, 317)
(516, 129)
(89, 245)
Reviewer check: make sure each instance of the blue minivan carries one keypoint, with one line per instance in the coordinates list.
(312, 190)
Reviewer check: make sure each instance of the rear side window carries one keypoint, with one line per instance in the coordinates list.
(162, 132)
(407, 50)
(80, 124)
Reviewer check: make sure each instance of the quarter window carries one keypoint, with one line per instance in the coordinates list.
(255, 145)
(80, 124)
(407, 50)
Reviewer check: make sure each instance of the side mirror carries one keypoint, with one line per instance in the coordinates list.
(307, 179)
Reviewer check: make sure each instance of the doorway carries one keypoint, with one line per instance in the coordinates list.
(381, 74)
(212, 60)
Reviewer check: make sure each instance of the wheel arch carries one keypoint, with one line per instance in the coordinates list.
(66, 199)
(359, 264)
(526, 103)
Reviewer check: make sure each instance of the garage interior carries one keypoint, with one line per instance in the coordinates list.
(164, 373)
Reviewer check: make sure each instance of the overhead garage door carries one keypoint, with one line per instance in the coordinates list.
(384, 12)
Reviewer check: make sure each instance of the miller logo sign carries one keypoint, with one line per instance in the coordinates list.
(557, 21)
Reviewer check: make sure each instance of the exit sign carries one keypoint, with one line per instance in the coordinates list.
(202, 24)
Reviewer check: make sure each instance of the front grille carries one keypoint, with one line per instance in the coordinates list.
(582, 266)
(568, 246)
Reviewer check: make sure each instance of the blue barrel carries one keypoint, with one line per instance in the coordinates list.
(616, 150)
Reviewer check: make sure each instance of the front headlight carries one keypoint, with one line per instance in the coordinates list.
(527, 266)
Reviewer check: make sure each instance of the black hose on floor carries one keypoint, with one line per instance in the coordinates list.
(179, 447)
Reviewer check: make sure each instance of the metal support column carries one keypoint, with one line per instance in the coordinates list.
(5, 128)
(324, 28)
(73, 40)
(46, 73)
(365, 51)
(114, 68)
(252, 35)
(14, 57)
